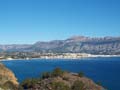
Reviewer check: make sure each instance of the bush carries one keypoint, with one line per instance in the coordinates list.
(59, 86)
(29, 83)
(66, 78)
(9, 85)
(46, 75)
(78, 85)
(99, 83)
(57, 72)
(81, 74)
(20, 88)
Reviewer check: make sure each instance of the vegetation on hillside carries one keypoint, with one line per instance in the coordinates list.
(55, 80)
(60, 80)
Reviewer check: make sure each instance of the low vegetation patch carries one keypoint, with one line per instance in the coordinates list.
(81, 74)
(29, 83)
(9, 86)
(59, 86)
(78, 85)
(57, 72)
(59, 80)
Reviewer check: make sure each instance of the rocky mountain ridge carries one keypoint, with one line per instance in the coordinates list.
(76, 44)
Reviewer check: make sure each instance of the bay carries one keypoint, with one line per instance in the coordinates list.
(103, 69)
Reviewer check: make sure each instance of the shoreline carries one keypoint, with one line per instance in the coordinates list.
(91, 56)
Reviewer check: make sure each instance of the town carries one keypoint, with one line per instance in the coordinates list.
(32, 55)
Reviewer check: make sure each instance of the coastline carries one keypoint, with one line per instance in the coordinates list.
(105, 55)
(90, 56)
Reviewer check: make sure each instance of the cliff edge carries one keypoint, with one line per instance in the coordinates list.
(8, 81)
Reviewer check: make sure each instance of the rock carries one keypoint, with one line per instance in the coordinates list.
(7, 78)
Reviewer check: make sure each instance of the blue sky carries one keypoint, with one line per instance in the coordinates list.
(28, 21)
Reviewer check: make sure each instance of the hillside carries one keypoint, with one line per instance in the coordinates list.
(106, 45)
(77, 44)
(55, 80)
(8, 80)
(60, 80)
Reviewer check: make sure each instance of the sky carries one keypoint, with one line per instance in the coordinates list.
(28, 21)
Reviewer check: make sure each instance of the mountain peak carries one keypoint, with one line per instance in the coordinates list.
(78, 38)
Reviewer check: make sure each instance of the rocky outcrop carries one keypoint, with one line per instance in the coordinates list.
(61, 81)
(56, 80)
(69, 79)
(8, 80)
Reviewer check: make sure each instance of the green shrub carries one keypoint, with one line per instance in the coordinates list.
(46, 75)
(29, 83)
(81, 74)
(57, 72)
(99, 83)
(78, 85)
(59, 86)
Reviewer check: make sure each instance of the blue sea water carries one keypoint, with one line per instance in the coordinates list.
(105, 70)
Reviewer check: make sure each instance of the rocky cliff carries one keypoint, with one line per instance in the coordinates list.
(8, 80)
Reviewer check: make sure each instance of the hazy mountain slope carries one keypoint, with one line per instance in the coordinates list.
(13, 47)
(107, 45)
(77, 44)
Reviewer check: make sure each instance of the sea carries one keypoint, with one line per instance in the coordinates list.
(105, 70)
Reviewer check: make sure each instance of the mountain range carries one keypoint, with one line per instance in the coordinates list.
(75, 44)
